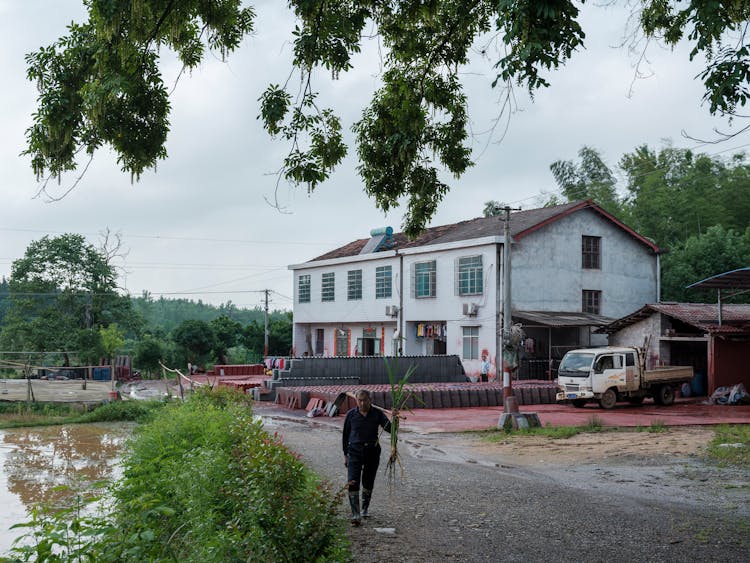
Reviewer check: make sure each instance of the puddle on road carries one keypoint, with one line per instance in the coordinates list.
(34, 461)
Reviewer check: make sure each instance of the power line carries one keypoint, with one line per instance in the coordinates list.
(180, 238)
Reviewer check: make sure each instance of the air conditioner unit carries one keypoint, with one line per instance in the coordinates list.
(470, 309)
(391, 310)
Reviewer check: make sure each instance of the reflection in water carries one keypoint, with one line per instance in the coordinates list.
(33, 461)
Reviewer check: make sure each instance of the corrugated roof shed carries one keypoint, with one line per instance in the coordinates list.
(704, 316)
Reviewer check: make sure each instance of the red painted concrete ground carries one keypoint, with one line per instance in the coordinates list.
(685, 412)
(682, 413)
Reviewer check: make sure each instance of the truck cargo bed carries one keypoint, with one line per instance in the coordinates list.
(668, 374)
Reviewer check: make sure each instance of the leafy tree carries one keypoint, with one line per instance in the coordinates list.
(279, 336)
(148, 353)
(112, 340)
(717, 250)
(196, 339)
(89, 346)
(590, 178)
(253, 337)
(675, 194)
(61, 286)
(101, 84)
(4, 298)
(226, 334)
(492, 208)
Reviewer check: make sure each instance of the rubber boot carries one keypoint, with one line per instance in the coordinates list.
(354, 503)
(366, 496)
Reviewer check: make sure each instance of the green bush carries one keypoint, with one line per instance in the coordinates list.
(204, 482)
(136, 411)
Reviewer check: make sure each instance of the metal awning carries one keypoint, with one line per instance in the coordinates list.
(560, 318)
(736, 279)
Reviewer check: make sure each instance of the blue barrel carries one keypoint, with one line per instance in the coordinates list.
(698, 384)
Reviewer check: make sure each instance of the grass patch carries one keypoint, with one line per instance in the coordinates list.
(548, 431)
(44, 409)
(17, 415)
(656, 427)
(731, 445)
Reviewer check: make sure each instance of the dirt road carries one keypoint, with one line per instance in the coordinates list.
(601, 497)
(56, 391)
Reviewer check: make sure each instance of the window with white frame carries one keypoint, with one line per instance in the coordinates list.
(470, 275)
(425, 278)
(354, 285)
(328, 286)
(303, 288)
(383, 282)
(471, 343)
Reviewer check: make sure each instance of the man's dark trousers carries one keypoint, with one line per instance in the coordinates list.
(363, 460)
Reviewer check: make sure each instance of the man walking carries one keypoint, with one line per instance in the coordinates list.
(362, 451)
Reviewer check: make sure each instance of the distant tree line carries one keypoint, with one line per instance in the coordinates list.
(62, 306)
(694, 206)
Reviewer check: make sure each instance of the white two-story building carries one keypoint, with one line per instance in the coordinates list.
(574, 267)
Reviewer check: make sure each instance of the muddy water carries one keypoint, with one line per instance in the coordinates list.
(34, 461)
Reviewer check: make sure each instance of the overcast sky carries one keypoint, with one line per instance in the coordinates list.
(200, 228)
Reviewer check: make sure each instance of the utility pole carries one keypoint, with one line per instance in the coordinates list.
(265, 319)
(509, 406)
(511, 417)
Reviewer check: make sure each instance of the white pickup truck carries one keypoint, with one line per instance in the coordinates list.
(611, 374)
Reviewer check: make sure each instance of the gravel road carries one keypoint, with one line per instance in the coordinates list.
(456, 503)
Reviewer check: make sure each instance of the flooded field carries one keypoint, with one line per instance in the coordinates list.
(34, 461)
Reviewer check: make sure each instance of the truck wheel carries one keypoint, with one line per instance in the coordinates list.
(636, 400)
(608, 399)
(664, 395)
(579, 403)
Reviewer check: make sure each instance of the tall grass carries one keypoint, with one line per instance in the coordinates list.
(17, 414)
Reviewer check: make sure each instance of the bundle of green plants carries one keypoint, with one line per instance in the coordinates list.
(204, 482)
(400, 396)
